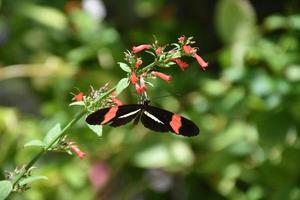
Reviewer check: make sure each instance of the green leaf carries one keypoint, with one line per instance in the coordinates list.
(96, 129)
(123, 83)
(5, 189)
(124, 67)
(46, 15)
(235, 17)
(52, 134)
(174, 156)
(32, 179)
(36, 143)
(77, 103)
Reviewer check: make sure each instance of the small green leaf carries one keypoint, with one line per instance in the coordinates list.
(5, 189)
(52, 134)
(150, 52)
(32, 179)
(176, 55)
(123, 83)
(124, 67)
(35, 143)
(77, 103)
(96, 129)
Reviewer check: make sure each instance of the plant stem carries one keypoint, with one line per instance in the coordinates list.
(148, 67)
(60, 135)
(35, 158)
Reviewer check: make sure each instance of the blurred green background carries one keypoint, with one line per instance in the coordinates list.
(247, 104)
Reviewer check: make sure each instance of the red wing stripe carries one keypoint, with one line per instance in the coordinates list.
(176, 123)
(110, 114)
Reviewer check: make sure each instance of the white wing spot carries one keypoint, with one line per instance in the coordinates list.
(153, 117)
(129, 114)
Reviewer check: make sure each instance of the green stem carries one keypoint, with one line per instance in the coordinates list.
(35, 158)
(60, 135)
(148, 67)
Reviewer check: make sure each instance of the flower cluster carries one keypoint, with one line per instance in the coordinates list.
(140, 75)
(90, 101)
(163, 58)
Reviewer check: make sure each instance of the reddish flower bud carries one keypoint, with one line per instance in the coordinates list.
(138, 63)
(188, 49)
(158, 51)
(133, 78)
(143, 86)
(77, 151)
(137, 88)
(79, 96)
(162, 76)
(142, 47)
(201, 62)
(183, 65)
(181, 39)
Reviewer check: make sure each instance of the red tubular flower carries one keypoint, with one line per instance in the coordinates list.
(183, 65)
(142, 47)
(181, 39)
(158, 51)
(133, 78)
(163, 76)
(143, 86)
(201, 62)
(138, 63)
(77, 151)
(137, 88)
(79, 96)
(188, 49)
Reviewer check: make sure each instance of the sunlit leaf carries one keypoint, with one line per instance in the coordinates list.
(123, 84)
(124, 67)
(32, 179)
(48, 16)
(35, 143)
(5, 189)
(52, 134)
(173, 156)
(96, 129)
(234, 17)
(77, 103)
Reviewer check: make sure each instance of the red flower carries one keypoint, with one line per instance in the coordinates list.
(138, 63)
(181, 39)
(142, 47)
(139, 89)
(133, 78)
(143, 86)
(201, 62)
(79, 96)
(158, 51)
(163, 76)
(77, 151)
(183, 65)
(188, 49)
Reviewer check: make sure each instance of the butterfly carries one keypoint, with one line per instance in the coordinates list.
(153, 118)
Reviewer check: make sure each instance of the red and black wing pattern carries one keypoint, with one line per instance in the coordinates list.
(158, 119)
(153, 118)
(116, 116)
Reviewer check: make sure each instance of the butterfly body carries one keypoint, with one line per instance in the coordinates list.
(153, 118)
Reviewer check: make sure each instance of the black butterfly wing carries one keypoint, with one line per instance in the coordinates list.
(150, 121)
(126, 114)
(97, 117)
(116, 116)
(158, 119)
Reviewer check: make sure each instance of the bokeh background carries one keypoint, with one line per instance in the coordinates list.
(247, 104)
